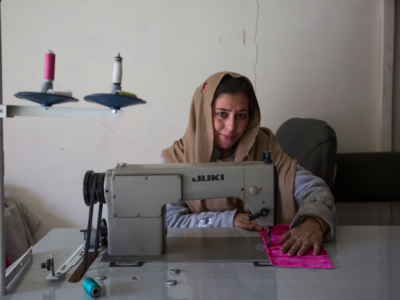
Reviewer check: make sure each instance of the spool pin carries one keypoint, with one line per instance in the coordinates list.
(67, 93)
(117, 74)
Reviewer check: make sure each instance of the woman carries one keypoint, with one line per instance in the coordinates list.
(224, 125)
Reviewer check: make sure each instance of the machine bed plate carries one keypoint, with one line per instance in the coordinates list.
(204, 244)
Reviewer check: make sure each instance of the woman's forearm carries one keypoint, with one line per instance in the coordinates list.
(314, 198)
(179, 215)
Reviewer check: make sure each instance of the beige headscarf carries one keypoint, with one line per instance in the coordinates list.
(197, 146)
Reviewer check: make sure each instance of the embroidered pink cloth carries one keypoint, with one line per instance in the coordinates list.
(308, 260)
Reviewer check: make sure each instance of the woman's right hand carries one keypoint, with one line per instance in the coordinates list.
(242, 220)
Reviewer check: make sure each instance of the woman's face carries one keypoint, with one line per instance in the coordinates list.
(230, 119)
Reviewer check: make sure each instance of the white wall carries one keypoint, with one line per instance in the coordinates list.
(308, 58)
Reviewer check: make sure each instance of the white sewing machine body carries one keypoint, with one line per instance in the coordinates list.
(136, 195)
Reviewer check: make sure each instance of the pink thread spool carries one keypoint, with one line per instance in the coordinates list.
(49, 65)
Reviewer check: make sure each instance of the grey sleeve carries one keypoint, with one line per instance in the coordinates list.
(314, 197)
(178, 215)
(162, 159)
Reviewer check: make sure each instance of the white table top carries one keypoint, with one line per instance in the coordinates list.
(366, 260)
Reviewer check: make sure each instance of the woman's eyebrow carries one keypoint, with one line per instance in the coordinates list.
(224, 109)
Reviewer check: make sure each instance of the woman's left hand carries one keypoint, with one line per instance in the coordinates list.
(242, 220)
(301, 238)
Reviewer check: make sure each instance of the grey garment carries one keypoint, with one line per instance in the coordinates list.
(162, 159)
(178, 215)
(314, 198)
(312, 195)
(30, 221)
(217, 154)
(15, 235)
(19, 227)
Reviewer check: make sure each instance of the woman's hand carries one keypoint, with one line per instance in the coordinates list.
(242, 220)
(303, 237)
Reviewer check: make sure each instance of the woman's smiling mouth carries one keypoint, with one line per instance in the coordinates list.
(227, 137)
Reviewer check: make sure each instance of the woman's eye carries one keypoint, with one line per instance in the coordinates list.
(242, 116)
(222, 114)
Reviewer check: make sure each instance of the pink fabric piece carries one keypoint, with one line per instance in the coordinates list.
(308, 260)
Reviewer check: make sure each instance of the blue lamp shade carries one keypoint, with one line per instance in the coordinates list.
(45, 99)
(114, 101)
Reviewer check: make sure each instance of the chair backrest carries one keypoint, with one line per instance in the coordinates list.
(313, 142)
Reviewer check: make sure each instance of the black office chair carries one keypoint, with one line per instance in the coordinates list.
(313, 142)
(367, 177)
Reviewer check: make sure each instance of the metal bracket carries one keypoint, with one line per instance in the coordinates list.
(3, 111)
(52, 268)
(13, 270)
(69, 263)
(10, 111)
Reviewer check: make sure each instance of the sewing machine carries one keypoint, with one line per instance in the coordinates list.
(135, 196)
(191, 261)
